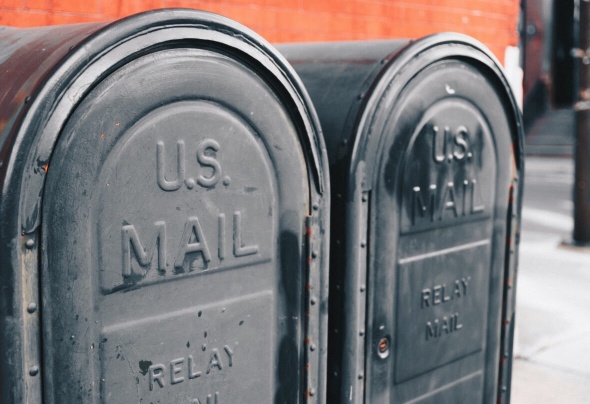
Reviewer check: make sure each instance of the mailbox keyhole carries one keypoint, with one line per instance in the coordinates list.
(383, 347)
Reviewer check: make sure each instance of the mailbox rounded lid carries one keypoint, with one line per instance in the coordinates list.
(168, 172)
(442, 65)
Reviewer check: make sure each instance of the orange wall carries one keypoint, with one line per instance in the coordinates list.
(494, 22)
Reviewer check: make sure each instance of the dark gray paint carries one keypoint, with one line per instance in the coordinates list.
(163, 196)
(424, 235)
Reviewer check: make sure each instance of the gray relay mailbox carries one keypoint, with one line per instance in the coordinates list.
(163, 208)
(425, 148)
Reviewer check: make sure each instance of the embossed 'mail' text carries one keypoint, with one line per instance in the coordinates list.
(441, 294)
(193, 242)
(210, 171)
(453, 199)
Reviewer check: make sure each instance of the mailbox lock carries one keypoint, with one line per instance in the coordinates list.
(383, 347)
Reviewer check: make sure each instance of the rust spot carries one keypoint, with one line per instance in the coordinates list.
(308, 287)
(309, 260)
(383, 344)
(45, 168)
(307, 341)
(309, 232)
(102, 135)
(117, 123)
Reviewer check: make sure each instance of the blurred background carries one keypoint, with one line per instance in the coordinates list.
(493, 22)
(543, 46)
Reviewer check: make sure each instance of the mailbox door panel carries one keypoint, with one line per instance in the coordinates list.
(173, 234)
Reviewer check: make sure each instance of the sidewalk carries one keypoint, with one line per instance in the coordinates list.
(552, 135)
(552, 343)
(553, 331)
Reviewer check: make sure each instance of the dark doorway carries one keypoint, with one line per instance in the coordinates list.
(564, 40)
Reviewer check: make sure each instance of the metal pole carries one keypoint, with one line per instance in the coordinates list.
(582, 107)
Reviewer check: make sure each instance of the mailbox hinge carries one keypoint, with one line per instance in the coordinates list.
(314, 348)
(31, 317)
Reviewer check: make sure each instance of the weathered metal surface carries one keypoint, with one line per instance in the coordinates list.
(164, 209)
(425, 147)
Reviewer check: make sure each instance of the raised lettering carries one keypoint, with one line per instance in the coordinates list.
(214, 361)
(460, 200)
(425, 302)
(448, 200)
(465, 188)
(448, 324)
(439, 145)
(175, 369)
(211, 399)
(464, 282)
(163, 183)
(192, 230)
(445, 325)
(192, 241)
(192, 372)
(208, 161)
(440, 294)
(156, 374)
(239, 249)
(457, 325)
(230, 355)
(432, 329)
(130, 241)
(179, 372)
(418, 205)
(440, 148)
(221, 236)
(457, 291)
(436, 297)
(460, 140)
(445, 298)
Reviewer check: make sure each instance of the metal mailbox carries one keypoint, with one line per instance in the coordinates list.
(163, 216)
(425, 145)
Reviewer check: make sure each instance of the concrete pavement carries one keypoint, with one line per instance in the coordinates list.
(552, 343)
